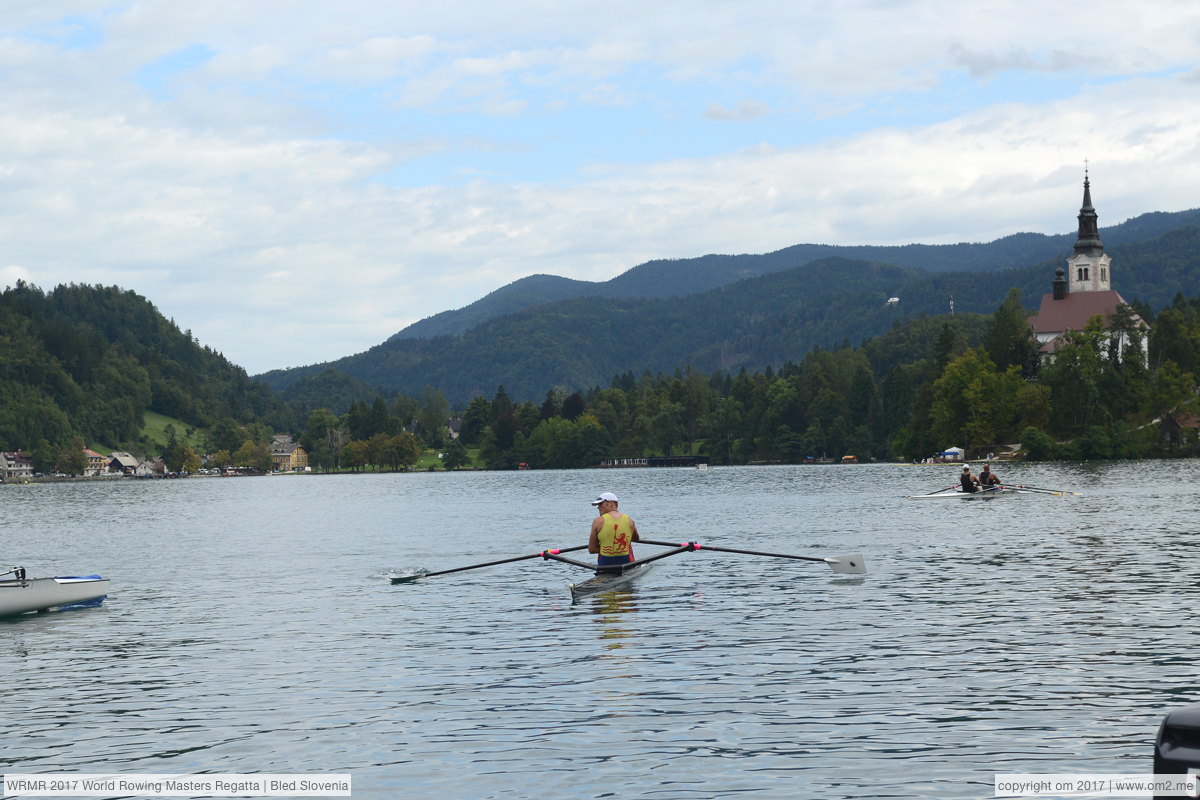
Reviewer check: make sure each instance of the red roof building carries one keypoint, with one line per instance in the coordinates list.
(1083, 289)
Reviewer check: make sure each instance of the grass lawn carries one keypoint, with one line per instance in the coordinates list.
(429, 458)
(155, 429)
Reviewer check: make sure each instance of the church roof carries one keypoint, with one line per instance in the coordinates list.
(1074, 310)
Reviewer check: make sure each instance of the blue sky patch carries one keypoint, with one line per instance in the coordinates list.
(157, 75)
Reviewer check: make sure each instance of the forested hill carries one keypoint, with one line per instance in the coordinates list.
(89, 361)
(753, 323)
(679, 277)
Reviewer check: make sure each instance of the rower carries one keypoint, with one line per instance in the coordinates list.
(967, 481)
(987, 478)
(613, 533)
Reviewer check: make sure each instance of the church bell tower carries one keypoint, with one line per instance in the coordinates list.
(1089, 268)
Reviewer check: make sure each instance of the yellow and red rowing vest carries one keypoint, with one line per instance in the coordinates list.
(616, 536)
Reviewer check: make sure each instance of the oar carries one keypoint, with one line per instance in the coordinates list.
(542, 554)
(934, 493)
(849, 565)
(1055, 492)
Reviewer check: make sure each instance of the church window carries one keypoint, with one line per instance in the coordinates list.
(1103, 274)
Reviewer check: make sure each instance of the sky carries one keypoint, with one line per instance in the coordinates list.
(295, 181)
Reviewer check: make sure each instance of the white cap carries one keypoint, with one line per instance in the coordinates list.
(606, 496)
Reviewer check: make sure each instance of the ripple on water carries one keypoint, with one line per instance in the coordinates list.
(252, 628)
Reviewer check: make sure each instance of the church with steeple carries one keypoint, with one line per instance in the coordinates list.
(1083, 289)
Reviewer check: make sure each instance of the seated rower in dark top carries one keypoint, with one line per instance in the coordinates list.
(987, 478)
(967, 480)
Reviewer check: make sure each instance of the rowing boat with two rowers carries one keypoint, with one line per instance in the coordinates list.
(956, 492)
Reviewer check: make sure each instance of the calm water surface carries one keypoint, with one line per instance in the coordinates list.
(252, 629)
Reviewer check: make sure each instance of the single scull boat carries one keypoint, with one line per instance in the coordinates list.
(611, 577)
(608, 580)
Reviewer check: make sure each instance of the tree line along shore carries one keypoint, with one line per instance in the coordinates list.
(972, 380)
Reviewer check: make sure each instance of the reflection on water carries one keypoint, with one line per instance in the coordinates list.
(615, 610)
(251, 628)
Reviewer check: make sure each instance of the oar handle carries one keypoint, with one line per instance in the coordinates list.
(675, 549)
(555, 557)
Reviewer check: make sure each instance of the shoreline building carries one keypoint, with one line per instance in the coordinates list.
(1083, 289)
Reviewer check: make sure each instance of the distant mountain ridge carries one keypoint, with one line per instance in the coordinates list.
(681, 277)
(753, 323)
(756, 321)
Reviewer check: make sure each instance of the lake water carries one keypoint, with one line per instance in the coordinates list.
(252, 628)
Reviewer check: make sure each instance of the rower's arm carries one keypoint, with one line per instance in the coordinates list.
(594, 536)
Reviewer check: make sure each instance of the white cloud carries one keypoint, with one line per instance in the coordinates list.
(378, 57)
(248, 200)
(746, 109)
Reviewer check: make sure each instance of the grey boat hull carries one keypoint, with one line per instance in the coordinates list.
(607, 581)
(45, 594)
(959, 494)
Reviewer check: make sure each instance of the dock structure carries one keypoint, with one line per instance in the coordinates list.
(654, 461)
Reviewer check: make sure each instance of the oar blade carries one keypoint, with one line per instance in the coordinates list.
(407, 578)
(855, 564)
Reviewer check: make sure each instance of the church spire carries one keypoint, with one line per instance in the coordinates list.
(1088, 242)
(1088, 268)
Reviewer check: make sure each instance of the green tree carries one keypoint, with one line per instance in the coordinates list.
(549, 446)
(355, 455)
(245, 455)
(503, 421)
(455, 455)
(401, 451)
(1170, 399)
(973, 404)
(379, 419)
(493, 455)
(611, 408)
(592, 443)
(1075, 381)
(573, 406)
(665, 429)
(358, 421)
(1174, 339)
(1009, 340)
(551, 405)
(72, 460)
(191, 460)
(253, 455)
(434, 418)
(1036, 445)
(477, 417)
(720, 428)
